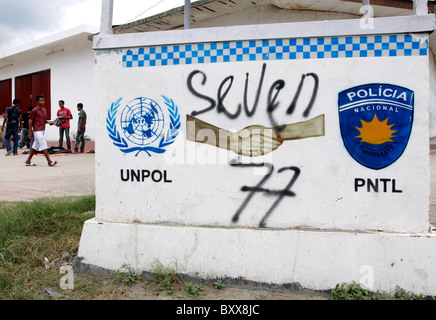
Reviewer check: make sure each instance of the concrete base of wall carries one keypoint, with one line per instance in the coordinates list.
(312, 259)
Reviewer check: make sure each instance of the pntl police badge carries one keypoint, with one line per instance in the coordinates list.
(143, 125)
(376, 121)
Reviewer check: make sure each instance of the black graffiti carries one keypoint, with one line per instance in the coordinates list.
(272, 102)
(286, 192)
(199, 95)
(279, 85)
(251, 112)
(221, 95)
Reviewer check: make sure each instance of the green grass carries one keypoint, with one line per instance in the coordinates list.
(355, 291)
(166, 277)
(51, 228)
(25, 226)
(45, 228)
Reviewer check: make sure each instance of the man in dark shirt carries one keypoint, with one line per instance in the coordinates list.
(13, 124)
(37, 121)
(25, 131)
(81, 127)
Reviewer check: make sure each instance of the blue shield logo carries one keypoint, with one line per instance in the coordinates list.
(376, 121)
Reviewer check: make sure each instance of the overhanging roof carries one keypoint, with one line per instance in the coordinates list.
(206, 9)
(47, 45)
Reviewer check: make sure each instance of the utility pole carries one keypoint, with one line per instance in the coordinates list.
(187, 14)
(420, 7)
(107, 12)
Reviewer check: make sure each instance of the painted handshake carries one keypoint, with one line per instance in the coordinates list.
(254, 140)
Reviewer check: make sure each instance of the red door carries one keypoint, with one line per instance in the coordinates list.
(41, 85)
(5, 94)
(27, 87)
(23, 92)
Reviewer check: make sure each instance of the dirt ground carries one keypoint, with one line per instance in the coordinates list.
(228, 292)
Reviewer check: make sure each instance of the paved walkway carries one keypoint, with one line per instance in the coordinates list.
(73, 176)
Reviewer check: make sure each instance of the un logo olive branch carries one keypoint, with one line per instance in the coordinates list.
(112, 127)
(157, 148)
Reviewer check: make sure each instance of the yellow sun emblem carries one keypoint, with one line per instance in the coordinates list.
(376, 132)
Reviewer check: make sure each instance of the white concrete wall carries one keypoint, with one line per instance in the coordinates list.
(183, 205)
(72, 80)
(206, 190)
(312, 259)
(432, 71)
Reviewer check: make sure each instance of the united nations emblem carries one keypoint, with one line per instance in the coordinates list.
(376, 122)
(142, 125)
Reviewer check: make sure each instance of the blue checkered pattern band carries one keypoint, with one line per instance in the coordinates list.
(277, 49)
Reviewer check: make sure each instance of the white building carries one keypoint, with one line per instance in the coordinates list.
(61, 67)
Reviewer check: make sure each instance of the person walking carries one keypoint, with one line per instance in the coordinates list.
(25, 141)
(2, 134)
(13, 122)
(81, 127)
(64, 114)
(37, 122)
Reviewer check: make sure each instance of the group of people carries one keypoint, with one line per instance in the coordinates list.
(32, 127)
(63, 122)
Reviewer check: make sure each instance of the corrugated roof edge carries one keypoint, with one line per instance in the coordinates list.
(63, 35)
